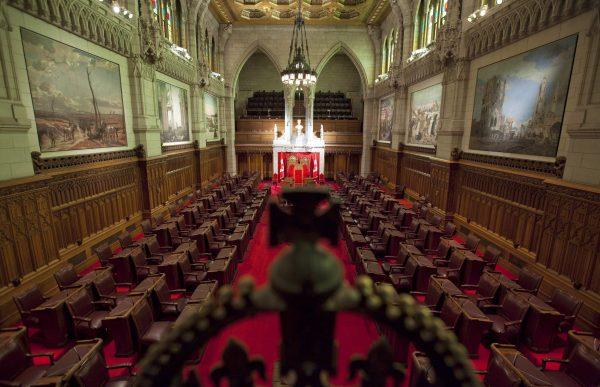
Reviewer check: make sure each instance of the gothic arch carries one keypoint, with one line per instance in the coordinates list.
(255, 47)
(340, 47)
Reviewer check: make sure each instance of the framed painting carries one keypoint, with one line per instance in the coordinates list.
(211, 114)
(172, 113)
(76, 96)
(386, 119)
(520, 101)
(424, 120)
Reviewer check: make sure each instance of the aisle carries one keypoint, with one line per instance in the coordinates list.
(261, 335)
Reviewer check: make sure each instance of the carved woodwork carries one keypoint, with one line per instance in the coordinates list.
(551, 168)
(212, 163)
(386, 162)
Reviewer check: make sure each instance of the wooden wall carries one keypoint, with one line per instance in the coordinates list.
(535, 218)
(76, 203)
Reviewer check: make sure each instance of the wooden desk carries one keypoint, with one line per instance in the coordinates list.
(56, 322)
(222, 269)
(170, 268)
(147, 285)
(399, 344)
(514, 360)
(204, 291)
(61, 372)
(164, 232)
(586, 339)
(119, 325)
(439, 288)
(472, 267)
(541, 323)
(472, 325)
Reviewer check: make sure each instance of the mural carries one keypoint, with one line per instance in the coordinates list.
(211, 114)
(386, 118)
(77, 99)
(424, 121)
(172, 113)
(520, 101)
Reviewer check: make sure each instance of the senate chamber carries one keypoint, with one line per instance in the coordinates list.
(300, 193)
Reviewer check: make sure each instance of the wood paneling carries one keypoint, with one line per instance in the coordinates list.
(76, 202)
(386, 162)
(537, 220)
(261, 162)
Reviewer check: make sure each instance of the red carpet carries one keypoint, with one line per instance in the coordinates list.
(261, 335)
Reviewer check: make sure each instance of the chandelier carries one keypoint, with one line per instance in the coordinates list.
(298, 71)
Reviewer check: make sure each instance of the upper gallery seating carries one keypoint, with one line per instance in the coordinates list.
(332, 105)
(405, 245)
(266, 104)
(140, 286)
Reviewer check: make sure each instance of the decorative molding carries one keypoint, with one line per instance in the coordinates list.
(544, 167)
(420, 149)
(175, 66)
(422, 68)
(84, 18)
(520, 20)
(43, 164)
(178, 147)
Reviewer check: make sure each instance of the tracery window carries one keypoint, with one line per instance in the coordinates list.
(167, 14)
(212, 55)
(384, 56)
(430, 16)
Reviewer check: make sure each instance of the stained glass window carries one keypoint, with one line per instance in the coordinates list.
(167, 13)
(431, 15)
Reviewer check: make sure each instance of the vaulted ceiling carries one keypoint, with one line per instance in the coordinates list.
(316, 12)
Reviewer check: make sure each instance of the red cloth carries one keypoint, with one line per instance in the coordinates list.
(310, 169)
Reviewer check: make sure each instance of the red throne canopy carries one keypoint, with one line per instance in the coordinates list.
(298, 165)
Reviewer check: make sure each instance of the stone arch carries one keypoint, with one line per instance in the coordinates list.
(341, 47)
(255, 47)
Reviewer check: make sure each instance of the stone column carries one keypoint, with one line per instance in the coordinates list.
(288, 95)
(229, 125)
(400, 112)
(452, 111)
(15, 126)
(369, 133)
(309, 100)
(375, 35)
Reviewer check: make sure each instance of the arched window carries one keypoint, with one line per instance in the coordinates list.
(384, 56)
(206, 48)
(430, 16)
(167, 14)
(391, 49)
(198, 43)
(212, 55)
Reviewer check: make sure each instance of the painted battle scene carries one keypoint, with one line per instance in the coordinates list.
(520, 101)
(211, 116)
(424, 121)
(172, 113)
(77, 98)
(386, 116)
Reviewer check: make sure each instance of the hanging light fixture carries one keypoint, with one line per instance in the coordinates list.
(298, 71)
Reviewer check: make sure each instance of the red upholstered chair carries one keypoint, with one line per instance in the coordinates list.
(193, 273)
(450, 313)
(106, 288)
(155, 254)
(141, 267)
(491, 256)
(582, 368)
(435, 220)
(442, 253)
(486, 290)
(453, 269)
(103, 252)
(420, 238)
(275, 178)
(449, 230)
(147, 330)
(29, 299)
(402, 277)
(567, 305)
(507, 322)
(529, 280)
(161, 296)
(66, 277)
(472, 242)
(499, 374)
(95, 373)
(125, 240)
(87, 319)
(17, 367)
(147, 228)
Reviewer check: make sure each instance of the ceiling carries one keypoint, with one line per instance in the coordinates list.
(316, 12)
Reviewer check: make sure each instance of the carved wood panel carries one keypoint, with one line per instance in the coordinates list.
(570, 241)
(212, 163)
(385, 162)
(89, 200)
(416, 173)
(180, 172)
(506, 204)
(27, 239)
